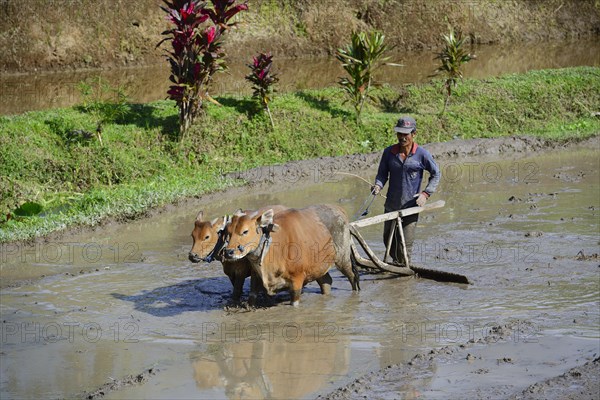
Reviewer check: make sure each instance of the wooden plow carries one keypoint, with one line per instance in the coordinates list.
(375, 263)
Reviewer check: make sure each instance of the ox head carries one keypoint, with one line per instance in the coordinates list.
(207, 236)
(245, 231)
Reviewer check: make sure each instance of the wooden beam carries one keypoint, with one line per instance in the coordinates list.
(377, 261)
(389, 242)
(401, 229)
(395, 214)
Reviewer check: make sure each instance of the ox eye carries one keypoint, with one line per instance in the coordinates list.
(245, 232)
(206, 237)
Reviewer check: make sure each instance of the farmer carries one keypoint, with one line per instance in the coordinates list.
(403, 164)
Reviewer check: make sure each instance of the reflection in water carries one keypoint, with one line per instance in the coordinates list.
(265, 369)
(27, 92)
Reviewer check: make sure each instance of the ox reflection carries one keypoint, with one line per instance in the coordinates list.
(271, 369)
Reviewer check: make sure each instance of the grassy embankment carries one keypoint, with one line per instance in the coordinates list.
(142, 165)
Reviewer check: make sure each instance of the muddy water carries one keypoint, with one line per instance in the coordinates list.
(25, 92)
(125, 299)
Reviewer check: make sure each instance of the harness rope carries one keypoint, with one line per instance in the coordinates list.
(217, 249)
(263, 244)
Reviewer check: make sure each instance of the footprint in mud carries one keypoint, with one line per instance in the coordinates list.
(581, 256)
(504, 360)
(534, 234)
(565, 177)
(481, 371)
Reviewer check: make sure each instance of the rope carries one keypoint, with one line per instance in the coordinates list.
(361, 178)
(362, 211)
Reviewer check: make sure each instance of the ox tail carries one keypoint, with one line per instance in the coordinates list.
(355, 271)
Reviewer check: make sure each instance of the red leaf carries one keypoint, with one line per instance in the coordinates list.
(210, 34)
(230, 13)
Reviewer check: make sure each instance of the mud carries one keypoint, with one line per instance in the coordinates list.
(577, 383)
(96, 306)
(480, 370)
(116, 384)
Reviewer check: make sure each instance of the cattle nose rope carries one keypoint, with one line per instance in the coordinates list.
(362, 211)
(368, 199)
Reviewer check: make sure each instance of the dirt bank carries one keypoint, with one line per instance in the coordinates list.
(483, 373)
(328, 169)
(67, 34)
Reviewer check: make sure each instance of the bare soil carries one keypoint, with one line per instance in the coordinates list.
(579, 383)
(65, 34)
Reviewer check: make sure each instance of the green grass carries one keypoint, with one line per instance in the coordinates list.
(143, 165)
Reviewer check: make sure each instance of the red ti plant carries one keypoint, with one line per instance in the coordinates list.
(223, 11)
(196, 53)
(213, 58)
(263, 80)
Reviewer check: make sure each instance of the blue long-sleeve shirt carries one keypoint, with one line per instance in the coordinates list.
(405, 177)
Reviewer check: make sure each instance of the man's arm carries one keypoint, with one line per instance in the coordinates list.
(435, 174)
(382, 171)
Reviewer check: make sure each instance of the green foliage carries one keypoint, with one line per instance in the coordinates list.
(28, 209)
(105, 103)
(360, 59)
(452, 57)
(142, 166)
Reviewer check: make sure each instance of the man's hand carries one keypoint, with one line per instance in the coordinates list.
(375, 189)
(422, 199)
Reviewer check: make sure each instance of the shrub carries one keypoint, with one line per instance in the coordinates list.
(263, 80)
(360, 59)
(105, 103)
(197, 52)
(452, 57)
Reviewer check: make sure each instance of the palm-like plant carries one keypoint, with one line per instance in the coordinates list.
(360, 59)
(452, 57)
(262, 80)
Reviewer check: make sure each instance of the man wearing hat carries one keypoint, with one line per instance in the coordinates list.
(403, 164)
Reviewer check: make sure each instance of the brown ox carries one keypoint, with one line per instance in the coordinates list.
(207, 246)
(293, 247)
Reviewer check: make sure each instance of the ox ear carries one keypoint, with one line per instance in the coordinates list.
(225, 220)
(239, 212)
(266, 218)
(199, 216)
(214, 221)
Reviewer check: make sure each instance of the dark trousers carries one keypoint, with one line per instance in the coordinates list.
(409, 227)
